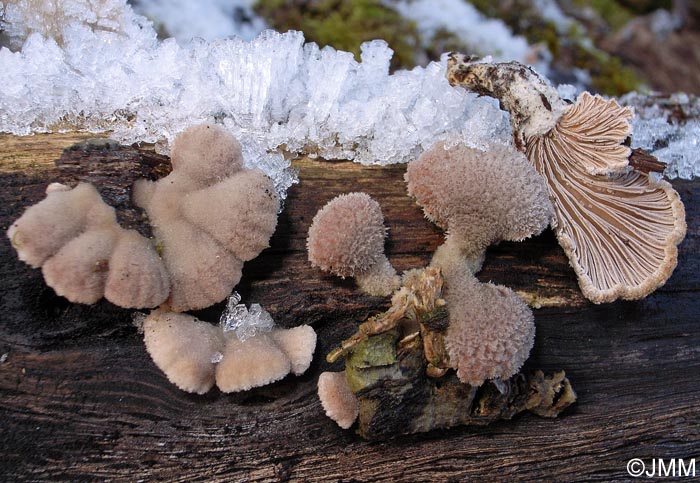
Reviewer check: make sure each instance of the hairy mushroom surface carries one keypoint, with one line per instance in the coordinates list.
(184, 349)
(491, 330)
(209, 216)
(619, 227)
(195, 355)
(479, 197)
(346, 238)
(73, 235)
(337, 399)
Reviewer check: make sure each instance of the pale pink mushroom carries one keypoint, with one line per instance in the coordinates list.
(491, 330)
(84, 254)
(346, 238)
(479, 197)
(209, 216)
(337, 399)
(195, 355)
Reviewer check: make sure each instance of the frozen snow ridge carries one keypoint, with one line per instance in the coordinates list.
(96, 65)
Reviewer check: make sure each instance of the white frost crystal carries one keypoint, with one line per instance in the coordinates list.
(659, 130)
(272, 92)
(96, 65)
(245, 322)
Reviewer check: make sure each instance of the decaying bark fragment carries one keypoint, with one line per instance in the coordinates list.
(398, 368)
(397, 396)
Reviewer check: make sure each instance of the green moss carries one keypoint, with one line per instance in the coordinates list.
(614, 14)
(608, 75)
(345, 24)
(571, 49)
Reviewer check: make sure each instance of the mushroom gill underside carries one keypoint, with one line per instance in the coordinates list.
(619, 227)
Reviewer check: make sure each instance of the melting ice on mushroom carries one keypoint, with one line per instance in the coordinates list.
(619, 226)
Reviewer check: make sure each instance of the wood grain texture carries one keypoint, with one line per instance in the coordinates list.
(80, 400)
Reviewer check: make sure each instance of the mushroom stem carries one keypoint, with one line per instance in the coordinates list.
(533, 104)
(450, 256)
(380, 279)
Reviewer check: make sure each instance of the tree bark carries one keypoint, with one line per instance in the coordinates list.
(80, 399)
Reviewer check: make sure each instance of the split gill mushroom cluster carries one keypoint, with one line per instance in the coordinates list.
(479, 198)
(209, 216)
(618, 225)
(570, 169)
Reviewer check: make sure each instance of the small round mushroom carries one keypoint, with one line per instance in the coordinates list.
(298, 343)
(206, 153)
(479, 197)
(346, 238)
(491, 330)
(184, 348)
(337, 399)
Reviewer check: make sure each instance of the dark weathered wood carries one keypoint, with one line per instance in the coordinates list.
(80, 400)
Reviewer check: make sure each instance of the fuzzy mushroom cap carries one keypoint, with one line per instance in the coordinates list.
(491, 329)
(47, 226)
(480, 197)
(182, 347)
(252, 194)
(206, 153)
(347, 235)
(254, 362)
(137, 276)
(298, 344)
(209, 215)
(337, 399)
(84, 254)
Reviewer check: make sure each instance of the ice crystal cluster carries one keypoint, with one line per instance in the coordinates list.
(274, 91)
(245, 322)
(97, 65)
(670, 130)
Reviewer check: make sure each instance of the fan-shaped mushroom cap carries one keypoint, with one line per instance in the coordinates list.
(251, 363)
(202, 272)
(207, 153)
(248, 199)
(298, 343)
(79, 270)
(182, 347)
(47, 226)
(346, 238)
(137, 276)
(491, 329)
(619, 229)
(337, 399)
(480, 197)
